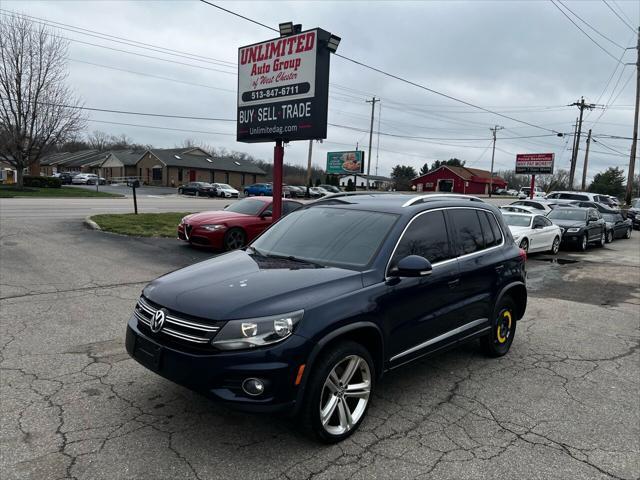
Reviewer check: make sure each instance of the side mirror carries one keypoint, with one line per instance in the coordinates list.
(266, 214)
(412, 266)
(538, 226)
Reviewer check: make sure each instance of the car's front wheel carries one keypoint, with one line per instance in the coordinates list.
(582, 243)
(338, 391)
(503, 329)
(234, 238)
(246, 193)
(555, 246)
(179, 191)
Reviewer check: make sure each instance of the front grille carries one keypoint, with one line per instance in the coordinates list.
(176, 328)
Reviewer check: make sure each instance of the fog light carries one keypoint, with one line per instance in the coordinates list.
(253, 387)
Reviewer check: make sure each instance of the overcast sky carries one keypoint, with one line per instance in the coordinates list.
(523, 59)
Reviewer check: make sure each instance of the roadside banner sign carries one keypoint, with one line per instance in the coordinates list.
(341, 163)
(534, 163)
(283, 87)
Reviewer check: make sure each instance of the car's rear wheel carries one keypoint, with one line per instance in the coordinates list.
(234, 238)
(338, 392)
(262, 194)
(555, 246)
(582, 243)
(503, 329)
(609, 238)
(524, 245)
(179, 191)
(627, 235)
(197, 193)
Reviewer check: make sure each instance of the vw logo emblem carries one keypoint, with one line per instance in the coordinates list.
(158, 320)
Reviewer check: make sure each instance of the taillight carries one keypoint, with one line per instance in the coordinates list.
(523, 255)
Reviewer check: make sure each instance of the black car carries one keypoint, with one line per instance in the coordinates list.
(580, 226)
(306, 320)
(65, 177)
(633, 213)
(199, 189)
(617, 225)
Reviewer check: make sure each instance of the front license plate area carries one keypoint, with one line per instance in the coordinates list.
(148, 353)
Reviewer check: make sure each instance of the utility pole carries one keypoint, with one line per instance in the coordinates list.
(309, 165)
(493, 155)
(373, 109)
(574, 158)
(586, 163)
(573, 143)
(378, 141)
(634, 142)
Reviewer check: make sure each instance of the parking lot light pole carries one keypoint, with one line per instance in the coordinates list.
(278, 158)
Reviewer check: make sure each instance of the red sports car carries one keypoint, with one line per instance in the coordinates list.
(233, 227)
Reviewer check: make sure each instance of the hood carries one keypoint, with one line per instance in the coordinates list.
(238, 285)
(232, 190)
(204, 218)
(568, 223)
(518, 231)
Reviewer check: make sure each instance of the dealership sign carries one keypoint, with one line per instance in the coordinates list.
(534, 163)
(345, 163)
(283, 87)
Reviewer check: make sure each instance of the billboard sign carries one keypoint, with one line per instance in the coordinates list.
(283, 87)
(345, 163)
(534, 163)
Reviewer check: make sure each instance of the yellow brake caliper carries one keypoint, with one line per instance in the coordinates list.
(501, 339)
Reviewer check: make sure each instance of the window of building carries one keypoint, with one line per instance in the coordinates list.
(226, 177)
(427, 237)
(467, 225)
(242, 180)
(157, 174)
(180, 174)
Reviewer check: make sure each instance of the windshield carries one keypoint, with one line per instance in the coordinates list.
(517, 220)
(246, 206)
(567, 214)
(610, 217)
(224, 186)
(327, 236)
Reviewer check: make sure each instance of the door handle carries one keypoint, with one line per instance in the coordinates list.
(454, 283)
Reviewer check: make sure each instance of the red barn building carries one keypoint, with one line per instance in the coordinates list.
(457, 180)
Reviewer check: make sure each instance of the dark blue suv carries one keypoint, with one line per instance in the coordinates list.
(308, 317)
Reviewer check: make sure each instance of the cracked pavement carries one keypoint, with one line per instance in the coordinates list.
(564, 403)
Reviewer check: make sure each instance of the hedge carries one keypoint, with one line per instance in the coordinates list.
(41, 182)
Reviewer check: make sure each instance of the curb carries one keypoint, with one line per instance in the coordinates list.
(91, 224)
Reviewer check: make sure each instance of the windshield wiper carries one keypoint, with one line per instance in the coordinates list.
(293, 259)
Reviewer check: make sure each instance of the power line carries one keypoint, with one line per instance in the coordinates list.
(616, 14)
(396, 77)
(580, 28)
(591, 27)
(162, 128)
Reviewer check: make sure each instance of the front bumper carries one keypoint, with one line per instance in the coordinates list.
(219, 375)
(202, 238)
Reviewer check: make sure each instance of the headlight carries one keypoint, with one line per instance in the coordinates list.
(256, 332)
(573, 230)
(213, 228)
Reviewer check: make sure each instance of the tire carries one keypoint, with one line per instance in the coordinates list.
(503, 329)
(234, 238)
(524, 244)
(322, 392)
(262, 194)
(582, 243)
(179, 191)
(609, 237)
(603, 239)
(627, 235)
(555, 246)
(246, 193)
(197, 193)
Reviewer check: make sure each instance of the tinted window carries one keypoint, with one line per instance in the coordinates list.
(573, 196)
(538, 223)
(488, 233)
(288, 207)
(427, 237)
(469, 231)
(246, 206)
(328, 236)
(497, 233)
(546, 222)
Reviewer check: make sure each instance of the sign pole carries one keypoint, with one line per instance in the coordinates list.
(278, 157)
(533, 184)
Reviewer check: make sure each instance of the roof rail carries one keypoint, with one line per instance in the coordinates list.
(440, 196)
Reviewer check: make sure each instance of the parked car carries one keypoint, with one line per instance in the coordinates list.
(224, 190)
(580, 226)
(306, 320)
(525, 192)
(534, 233)
(617, 225)
(88, 179)
(540, 205)
(330, 188)
(261, 189)
(614, 201)
(317, 192)
(199, 189)
(297, 192)
(65, 177)
(512, 192)
(233, 227)
(633, 213)
(577, 196)
(518, 209)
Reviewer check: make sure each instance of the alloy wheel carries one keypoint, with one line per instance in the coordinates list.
(234, 239)
(583, 244)
(345, 395)
(628, 234)
(610, 237)
(555, 248)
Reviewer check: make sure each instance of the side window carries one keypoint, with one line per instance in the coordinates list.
(488, 233)
(546, 221)
(469, 231)
(427, 237)
(288, 207)
(537, 222)
(497, 233)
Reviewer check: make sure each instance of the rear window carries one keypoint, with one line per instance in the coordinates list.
(490, 229)
(573, 196)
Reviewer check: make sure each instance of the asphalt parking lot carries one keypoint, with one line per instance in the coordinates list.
(563, 404)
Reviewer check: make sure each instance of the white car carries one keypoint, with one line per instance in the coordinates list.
(539, 205)
(525, 192)
(226, 191)
(534, 233)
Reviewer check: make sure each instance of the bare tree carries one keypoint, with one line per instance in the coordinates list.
(37, 108)
(98, 140)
